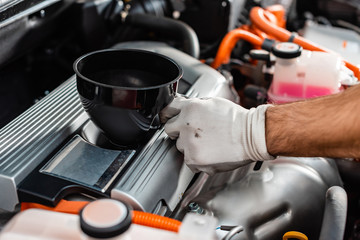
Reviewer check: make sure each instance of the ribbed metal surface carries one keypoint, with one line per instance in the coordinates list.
(27, 141)
(11, 11)
(157, 174)
(152, 156)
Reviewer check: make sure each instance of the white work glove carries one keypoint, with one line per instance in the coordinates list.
(215, 134)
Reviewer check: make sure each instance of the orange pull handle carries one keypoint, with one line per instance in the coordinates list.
(293, 234)
(64, 206)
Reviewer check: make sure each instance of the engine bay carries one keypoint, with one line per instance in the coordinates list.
(52, 152)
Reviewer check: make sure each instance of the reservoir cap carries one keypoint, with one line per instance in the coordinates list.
(105, 218)
(286, 50)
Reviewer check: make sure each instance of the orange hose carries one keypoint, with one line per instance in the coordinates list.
(259, 17)
(244, 27)
(254, 30)
(271, 18)
(155, 221)
(279, 12)
(228, 43)
(258, 32)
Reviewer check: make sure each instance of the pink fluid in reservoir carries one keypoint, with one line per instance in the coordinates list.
(316, 91)
(296, 90)
(289, 89)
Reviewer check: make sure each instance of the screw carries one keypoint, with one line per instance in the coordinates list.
(42, 13)
(195, 208)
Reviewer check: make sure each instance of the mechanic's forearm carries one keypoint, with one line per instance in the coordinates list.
(327, 126)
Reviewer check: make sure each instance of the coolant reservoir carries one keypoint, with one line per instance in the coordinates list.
(103, 219)
(45, 225)
(301, 74)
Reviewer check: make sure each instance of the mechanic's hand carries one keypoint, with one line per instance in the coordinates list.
(216, 134)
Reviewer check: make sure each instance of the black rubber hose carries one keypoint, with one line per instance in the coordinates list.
(169, 27)
(333, 226)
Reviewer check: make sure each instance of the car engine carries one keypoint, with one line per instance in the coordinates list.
(251, 52)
